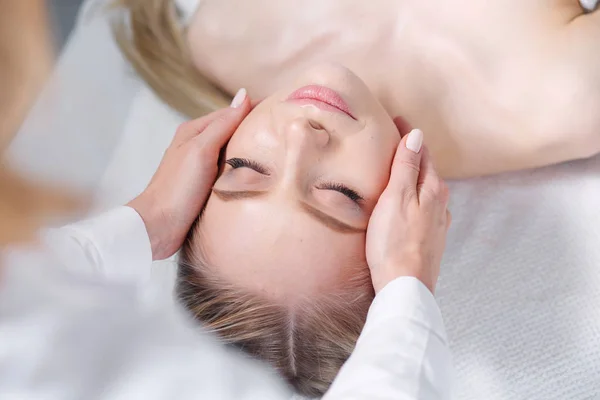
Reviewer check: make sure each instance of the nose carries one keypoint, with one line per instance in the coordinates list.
(304, 134)
(304, 141)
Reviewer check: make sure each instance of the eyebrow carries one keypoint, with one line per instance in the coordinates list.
(227, 195)
(324, 218)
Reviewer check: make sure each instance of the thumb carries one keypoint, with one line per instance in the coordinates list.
(219, 131)
(407, 161)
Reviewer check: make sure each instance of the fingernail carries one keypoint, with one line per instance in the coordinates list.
(239, 98)
(414, 142)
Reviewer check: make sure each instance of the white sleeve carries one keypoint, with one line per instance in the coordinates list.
(66, 338)
(114, 245)
(402, 352)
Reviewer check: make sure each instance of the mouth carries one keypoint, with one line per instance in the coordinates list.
(321, 97)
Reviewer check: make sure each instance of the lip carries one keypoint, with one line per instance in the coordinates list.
(321, 97)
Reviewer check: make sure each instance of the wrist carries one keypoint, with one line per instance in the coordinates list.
(391, 271)
(155, 223)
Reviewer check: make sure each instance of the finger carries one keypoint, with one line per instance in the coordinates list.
(430, 185)
(407, 162)
(448, 219)
(403, 126)
(428, 172)
(219, 131)
(193, 128)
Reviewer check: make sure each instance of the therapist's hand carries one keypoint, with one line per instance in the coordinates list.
(181, 185)
(407, 231)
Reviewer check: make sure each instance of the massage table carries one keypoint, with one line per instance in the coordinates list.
(520, 282)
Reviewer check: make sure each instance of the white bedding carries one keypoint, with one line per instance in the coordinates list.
(520, 285)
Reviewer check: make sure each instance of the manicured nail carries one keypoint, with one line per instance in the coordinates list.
(239, 98)
(414, 142)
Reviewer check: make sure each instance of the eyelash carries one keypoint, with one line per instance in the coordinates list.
(345, 190)
(236, 163)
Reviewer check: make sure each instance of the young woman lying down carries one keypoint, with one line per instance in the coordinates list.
(495, 85)
(276, 262)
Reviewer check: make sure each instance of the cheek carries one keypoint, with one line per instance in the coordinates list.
(367, 163)
(253, 134)
(379, 147)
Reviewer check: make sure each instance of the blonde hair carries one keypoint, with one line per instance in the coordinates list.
(307, 345)
(151, 36)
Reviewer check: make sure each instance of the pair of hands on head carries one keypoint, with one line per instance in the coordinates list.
(406, 234)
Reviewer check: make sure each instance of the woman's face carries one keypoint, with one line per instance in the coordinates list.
(288, 215)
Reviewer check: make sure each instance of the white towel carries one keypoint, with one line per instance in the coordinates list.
(520, 284)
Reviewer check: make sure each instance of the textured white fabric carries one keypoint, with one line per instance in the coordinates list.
(520, 284)
(83, 334)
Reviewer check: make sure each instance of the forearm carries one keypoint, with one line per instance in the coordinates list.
(156, 223)
(112, 245)
(402, 352)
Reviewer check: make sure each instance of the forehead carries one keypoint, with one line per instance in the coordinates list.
(277, 250)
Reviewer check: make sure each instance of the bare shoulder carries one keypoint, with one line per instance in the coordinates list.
(566, 82)
(580, 52)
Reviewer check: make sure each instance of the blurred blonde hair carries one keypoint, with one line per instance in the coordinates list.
(25, 63)
(151, 36)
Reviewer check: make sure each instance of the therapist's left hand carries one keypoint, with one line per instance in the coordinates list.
(181, 185)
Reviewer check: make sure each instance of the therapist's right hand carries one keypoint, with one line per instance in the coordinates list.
(181, 185)
(407, 231)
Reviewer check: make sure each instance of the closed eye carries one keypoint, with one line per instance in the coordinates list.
(345, 190)
(351, 194)
(236, 163)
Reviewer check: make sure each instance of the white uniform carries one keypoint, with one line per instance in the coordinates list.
(66, 334)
